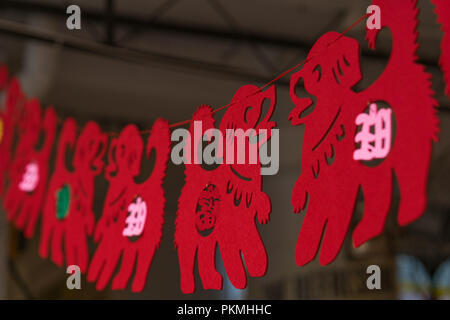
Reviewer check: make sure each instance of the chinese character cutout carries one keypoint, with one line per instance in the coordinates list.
(374, 145)
(133, 214)
(136, 220)
(29, 168)
(30, 178)
(443, 12)
(217, 208)
(331, 170)
(14, 100)
(68, 217)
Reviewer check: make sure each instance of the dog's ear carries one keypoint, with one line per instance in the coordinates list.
(268, 101)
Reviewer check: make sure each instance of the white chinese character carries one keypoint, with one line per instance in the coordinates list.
(136, 220)
(30, 178)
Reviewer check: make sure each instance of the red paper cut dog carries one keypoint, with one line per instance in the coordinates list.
(346, 126)
(29, 168)
(68, 212)
(218, 207)
(133, 214)
(14, 100)
(443, 12)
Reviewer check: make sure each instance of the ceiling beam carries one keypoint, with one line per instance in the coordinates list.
(143, 25)
(145, 58)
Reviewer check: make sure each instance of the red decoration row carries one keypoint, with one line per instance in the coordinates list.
(217, 208)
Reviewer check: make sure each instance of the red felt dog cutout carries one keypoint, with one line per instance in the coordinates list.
(132, 220)
(218, 207)
(330, 176)
(68, 209)
(29, 167)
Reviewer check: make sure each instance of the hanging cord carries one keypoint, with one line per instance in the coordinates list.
(280, 76)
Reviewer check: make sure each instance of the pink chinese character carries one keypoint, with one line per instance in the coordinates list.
(30, 178)
(136, 220)
(375, 134)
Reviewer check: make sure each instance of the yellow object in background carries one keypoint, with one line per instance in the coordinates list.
(1, 130)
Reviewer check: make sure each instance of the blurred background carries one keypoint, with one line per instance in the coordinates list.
(136, 60)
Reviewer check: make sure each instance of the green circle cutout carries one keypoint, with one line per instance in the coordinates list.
(62, 202)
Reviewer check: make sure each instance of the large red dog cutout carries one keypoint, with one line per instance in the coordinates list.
(218, 207)
(340, 131)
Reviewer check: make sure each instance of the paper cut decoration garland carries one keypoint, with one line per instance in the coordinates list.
(330, 177)
(443, 12)
(352, 140)
(68, 217)
(217, 208)
(29, 168)
(125, 157)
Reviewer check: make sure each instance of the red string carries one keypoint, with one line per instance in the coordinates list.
(281, 75)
